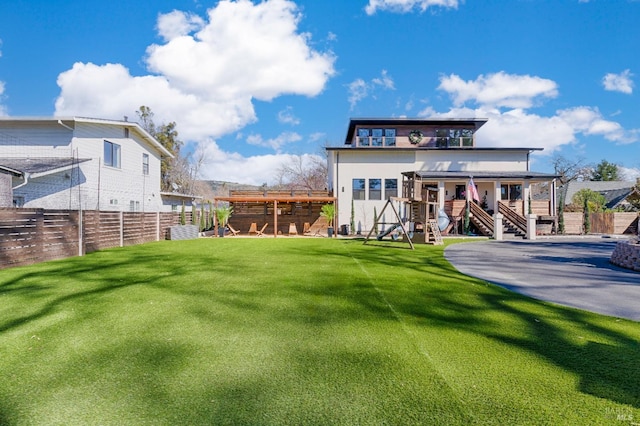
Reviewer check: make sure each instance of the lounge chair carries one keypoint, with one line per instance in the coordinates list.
(234, 232)
(261, 231)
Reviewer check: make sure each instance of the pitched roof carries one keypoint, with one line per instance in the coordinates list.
(38, 166)
(603, 187)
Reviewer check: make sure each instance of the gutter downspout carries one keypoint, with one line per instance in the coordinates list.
(26, 177)
(64, 125)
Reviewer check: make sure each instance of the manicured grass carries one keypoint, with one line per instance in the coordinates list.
(299, 331)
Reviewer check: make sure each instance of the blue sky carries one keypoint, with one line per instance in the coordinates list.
(254, 84)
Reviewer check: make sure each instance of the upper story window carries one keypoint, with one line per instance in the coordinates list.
(376, 137)
(363, 137)
(454, 138)
(389, 137)
(145, 164)
(111, 154)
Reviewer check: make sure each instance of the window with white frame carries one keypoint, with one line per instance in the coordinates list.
(145, 164)
(376, 137)
(358, 189)
(363, 137)
(111, 154)
(389, 137)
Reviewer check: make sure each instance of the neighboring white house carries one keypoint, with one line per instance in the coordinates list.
(76, 162)
(382, 155)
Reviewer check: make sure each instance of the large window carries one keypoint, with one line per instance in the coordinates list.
(389, 137)
(375, 189)
(454, 138)
(390, 188)
(358, 189)
(511, 192)
(363, 137)
(111, 154)
(376, 137)
(145, 164)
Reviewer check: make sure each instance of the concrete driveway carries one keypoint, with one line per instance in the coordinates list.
(572, 272)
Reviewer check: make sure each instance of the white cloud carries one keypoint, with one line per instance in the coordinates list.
(286, 117)
(360, 89)
(274, 143)
(619, 82)
(233, 167)
(206, 81)
(178, 24)
(629, 174)
(405, 6)
(499, 90)
(498, 98)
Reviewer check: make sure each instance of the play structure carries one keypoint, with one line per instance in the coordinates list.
(420, 221)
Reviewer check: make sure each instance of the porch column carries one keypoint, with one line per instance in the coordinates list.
(531, 226)
(275, 218)
(497, 193)
(441, 194)
(497, 226)
(526, 194)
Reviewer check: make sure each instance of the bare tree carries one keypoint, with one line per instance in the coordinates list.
(307, 172)
(571, 169)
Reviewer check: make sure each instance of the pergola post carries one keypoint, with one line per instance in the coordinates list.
(275, 218)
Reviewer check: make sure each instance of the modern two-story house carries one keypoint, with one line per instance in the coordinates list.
(79, 163)
(430, 164)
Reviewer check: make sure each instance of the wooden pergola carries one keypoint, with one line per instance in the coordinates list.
(273, 199)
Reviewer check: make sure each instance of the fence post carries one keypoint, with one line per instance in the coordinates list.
(80, 232)
(121, 229)
(157, 226)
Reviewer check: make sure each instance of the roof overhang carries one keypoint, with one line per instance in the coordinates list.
(271, 199)
(354, 122)
(481, 175)
(69, 123)
(38, 167)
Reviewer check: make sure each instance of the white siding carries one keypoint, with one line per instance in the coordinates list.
(90, 185)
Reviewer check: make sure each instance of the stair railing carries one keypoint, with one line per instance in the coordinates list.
(512, 217)
(480, 217)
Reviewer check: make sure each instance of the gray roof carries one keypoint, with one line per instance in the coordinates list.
(602, 187)
(484, 175)
(36, 166)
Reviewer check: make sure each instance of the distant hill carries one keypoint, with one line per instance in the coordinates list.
(222, 188)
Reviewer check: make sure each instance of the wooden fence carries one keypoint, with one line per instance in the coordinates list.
(602, 223)
(35, 235)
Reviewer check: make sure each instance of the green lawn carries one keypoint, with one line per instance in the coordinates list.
(299, 331)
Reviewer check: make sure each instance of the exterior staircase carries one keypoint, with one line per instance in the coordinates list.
(481, 219)
(514, 225)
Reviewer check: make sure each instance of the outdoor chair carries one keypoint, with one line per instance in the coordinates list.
(234, 232)
(306, 229)
(292, 229)
(261, 231)
(253, 229)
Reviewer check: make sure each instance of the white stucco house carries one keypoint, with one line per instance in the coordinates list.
(433, 161)
(77, 162)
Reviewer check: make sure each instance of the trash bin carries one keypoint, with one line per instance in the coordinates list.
(344, 229)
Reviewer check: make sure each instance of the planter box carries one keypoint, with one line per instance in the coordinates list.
(183, 232)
